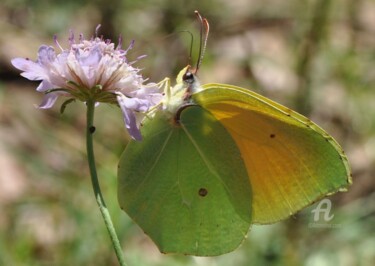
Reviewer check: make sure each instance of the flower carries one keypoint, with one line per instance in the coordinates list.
(92, 69)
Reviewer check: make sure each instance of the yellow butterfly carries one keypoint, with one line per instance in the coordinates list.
(217, 158)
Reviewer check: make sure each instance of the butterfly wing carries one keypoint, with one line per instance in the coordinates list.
(291, 162)
(181, 187)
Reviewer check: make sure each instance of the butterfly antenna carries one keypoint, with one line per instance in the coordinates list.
(191, 45)
(205, 28)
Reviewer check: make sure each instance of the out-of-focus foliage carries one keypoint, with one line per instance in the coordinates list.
(317, 56)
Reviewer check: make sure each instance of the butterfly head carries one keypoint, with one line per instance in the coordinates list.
(190, 82)
(188, 78)
(180, 95)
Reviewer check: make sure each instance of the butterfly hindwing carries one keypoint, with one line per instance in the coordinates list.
(186, 185)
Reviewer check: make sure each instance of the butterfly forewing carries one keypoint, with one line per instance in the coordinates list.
(290, 161)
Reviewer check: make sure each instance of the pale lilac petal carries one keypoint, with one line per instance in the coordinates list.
(90, 59)
(155, 98)
(131, 124)
(48, 101)
(32, 70)
(46, 55)
(126, 82)
(129, 117)
(149, 92)
(137, 104)
(62, 58)
(45, 85)
(148, 89)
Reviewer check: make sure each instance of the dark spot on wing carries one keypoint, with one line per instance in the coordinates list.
(202, 192)
(272, 136)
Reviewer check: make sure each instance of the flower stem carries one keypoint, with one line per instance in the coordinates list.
(95, 183)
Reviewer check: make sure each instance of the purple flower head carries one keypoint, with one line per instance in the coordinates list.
(94, 69)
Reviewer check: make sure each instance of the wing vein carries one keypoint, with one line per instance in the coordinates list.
(155, 162)
(205, 159)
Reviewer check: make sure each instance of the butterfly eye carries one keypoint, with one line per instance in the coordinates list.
(188, 77)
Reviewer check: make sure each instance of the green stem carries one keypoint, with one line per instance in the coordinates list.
(95, 183)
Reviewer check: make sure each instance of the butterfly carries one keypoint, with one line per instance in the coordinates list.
(216, 159)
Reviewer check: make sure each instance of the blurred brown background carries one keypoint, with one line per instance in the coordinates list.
(315, 56)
